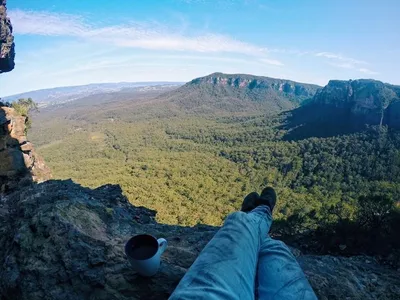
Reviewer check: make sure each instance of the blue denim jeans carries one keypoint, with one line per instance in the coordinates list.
(243, 262)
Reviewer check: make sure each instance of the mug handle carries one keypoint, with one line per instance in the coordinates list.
(162, 243)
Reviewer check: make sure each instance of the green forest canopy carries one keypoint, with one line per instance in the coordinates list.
(197, 170)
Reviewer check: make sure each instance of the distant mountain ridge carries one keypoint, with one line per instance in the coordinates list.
(231, 93)
(70, 93)
(341, 106)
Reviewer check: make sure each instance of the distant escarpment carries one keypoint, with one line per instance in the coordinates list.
(373, 101)
(345, 107)
(238, 93)
(7, 52)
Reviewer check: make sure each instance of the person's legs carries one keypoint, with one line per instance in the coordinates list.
(279, 276)
(226, 268)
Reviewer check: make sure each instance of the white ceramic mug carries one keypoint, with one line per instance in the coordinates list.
(144, 253)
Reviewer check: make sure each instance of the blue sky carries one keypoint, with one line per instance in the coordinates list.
(60, 43)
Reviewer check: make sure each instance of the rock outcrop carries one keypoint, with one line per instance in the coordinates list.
(19, 163)
(62, 241)
(343, 107)
(7, 52)
(373, 101)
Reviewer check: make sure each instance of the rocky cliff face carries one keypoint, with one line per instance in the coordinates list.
(343, 107)
(373, 101)
(7, 52)
(19, 163)
(62, 241)
(288, 88)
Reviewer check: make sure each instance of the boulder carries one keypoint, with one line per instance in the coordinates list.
(26, 147)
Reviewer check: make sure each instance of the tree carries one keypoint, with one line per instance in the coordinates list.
(374, 210)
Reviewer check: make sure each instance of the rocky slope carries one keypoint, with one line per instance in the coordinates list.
(7, 52)
(19, 163)
(62, 241)
(220, 93)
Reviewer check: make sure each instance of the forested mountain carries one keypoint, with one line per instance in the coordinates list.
(228, 94)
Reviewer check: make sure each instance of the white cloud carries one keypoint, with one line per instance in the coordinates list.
(353, 67)
(343, 62)
(343, 65)
(340, 57)
(144, 36)
(205, 43)
(216, 2)
(367, 71)
(44, 23)
(273, 62)
(191, 1)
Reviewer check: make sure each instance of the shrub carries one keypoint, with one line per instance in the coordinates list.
(24, 107)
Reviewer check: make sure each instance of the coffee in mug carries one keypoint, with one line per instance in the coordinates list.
(144, 253)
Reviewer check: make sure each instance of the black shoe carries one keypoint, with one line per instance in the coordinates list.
(252, 200)
(268, 197)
